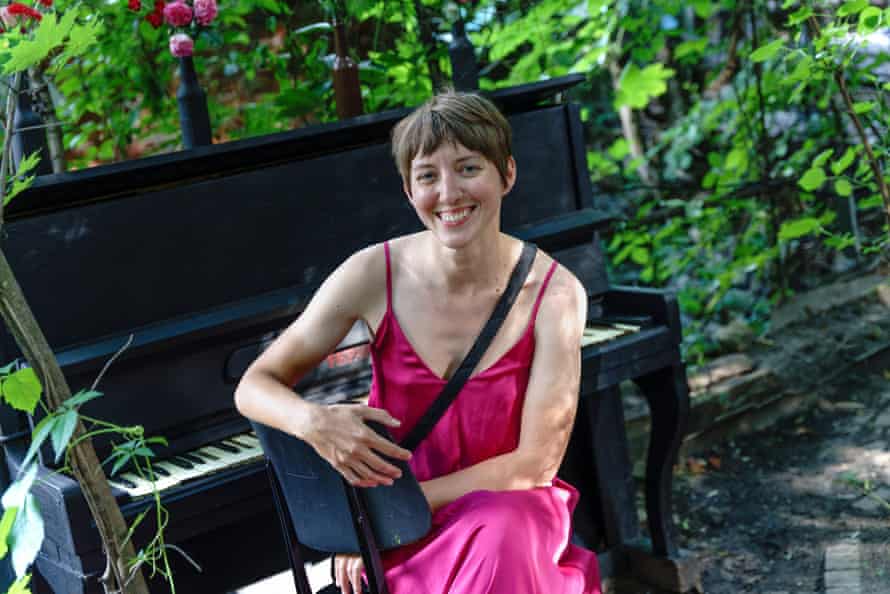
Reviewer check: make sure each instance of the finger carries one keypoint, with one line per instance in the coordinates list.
(368, 475)
(388, 448)
(351, 477)
(355, 576)
(339, 572)
(379, 415)
(380, 467)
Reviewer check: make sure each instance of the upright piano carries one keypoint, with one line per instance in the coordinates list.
(198, 259)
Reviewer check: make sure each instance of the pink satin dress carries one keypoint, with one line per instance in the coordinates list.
(485, 542)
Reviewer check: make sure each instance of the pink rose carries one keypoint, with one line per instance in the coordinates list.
(205, 11)
(178, 14)
(181, 45)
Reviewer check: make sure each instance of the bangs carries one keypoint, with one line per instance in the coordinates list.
(458, 119)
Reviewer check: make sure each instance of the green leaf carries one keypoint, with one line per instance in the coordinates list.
(851, 7)
(800, 15)
(17, 492)
(737, 159)
(82, 397)
(812, 179)
(820, 159)
(62, 431)
(801, 71)
(765, 52)
(22, 389)
(841, 164)
(637, 87)
(798, 228)
(26, 536)
(869, 20)
(694, 47)
(619, 149)
(704, 8)
(863, 107)
(6, 369)
(640, 255)
(6, 522)
(843, 187)
(872, 201)
(38, 436)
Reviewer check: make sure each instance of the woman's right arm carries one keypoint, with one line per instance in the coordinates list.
(338, 432)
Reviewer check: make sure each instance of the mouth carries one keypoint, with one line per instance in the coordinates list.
(455, 216)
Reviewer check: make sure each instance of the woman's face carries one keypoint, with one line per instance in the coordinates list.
(457, 193)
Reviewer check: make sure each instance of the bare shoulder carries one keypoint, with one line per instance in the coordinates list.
(359, 283)
(563, 309)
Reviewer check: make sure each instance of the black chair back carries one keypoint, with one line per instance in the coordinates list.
(318, 509)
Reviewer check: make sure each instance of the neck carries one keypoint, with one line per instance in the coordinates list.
(482, 265)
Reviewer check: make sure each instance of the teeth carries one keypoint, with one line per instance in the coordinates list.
(453, 217)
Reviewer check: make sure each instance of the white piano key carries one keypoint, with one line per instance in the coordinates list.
(214, 459)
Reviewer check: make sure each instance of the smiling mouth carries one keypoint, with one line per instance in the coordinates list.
(456, 216)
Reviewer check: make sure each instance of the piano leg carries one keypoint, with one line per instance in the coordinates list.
(597, 463)
(667, 393)
(668, 397)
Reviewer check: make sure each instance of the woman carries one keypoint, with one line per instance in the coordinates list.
(501, 522)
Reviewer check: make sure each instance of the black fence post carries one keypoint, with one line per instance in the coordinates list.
(464, 71)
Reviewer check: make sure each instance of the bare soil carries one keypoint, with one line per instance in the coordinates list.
(760, 510)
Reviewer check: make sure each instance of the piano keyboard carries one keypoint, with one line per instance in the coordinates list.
(208, 459)
(245, 448)
(595, 334)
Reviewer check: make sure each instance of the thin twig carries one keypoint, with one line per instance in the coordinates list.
(110, 361)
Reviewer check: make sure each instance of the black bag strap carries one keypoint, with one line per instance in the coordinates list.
(460, 377)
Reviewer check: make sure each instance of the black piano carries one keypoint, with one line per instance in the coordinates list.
(200, 258)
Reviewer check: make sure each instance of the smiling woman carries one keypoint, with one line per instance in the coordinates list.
(502, 520)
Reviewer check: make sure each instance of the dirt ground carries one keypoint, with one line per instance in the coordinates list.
(760, 510)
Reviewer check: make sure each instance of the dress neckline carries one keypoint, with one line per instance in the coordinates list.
(391, 318)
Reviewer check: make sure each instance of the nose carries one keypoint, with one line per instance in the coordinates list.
(449, 187)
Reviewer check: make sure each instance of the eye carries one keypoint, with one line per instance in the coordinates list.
(425, 176)
(471, 168)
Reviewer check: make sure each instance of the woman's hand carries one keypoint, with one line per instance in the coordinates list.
(339, 435)
(348, 573)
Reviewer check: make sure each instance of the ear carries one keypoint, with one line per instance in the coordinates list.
(511, 175)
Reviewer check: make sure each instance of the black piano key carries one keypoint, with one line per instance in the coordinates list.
(160, 471)
(225, 447)
(240, 444)
(181, 462)
(208, 455)
(125, 482)
(193, 457)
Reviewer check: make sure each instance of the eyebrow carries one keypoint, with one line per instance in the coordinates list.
(428, 165)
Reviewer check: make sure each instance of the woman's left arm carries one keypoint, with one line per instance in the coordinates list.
(551, 400)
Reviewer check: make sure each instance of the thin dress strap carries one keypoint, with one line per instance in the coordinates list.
(388, 278)
(543, 288)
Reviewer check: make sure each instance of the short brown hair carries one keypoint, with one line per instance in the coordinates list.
(458, 118)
